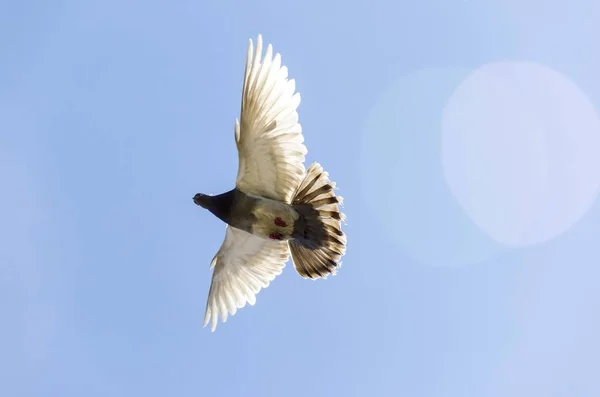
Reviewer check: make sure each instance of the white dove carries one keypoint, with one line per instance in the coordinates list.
(277, 207)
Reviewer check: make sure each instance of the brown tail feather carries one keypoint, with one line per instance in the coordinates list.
(319, 242)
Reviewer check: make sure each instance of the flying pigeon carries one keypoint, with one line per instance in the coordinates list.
(277, 207)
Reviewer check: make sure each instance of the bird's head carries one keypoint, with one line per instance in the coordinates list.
(202, 200)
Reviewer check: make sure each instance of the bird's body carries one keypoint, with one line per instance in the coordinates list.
(277, 208)
(259, 216)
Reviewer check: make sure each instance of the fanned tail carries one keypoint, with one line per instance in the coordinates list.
(318, 241)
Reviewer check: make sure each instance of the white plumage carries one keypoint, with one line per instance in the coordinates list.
(243, 265)
(271, 164)
(269, 138)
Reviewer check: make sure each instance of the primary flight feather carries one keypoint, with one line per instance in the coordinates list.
(277, 207)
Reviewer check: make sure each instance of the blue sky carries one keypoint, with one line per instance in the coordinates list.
(463, 136)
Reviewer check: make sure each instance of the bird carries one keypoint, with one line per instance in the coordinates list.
(278, 208)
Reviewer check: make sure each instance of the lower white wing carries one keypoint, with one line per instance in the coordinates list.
(268, 136)
(243, 265)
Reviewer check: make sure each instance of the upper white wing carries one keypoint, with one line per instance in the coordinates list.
(243, 265)
(268, 136)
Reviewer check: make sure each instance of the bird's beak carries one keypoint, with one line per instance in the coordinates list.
(197, 199)
(200, 199)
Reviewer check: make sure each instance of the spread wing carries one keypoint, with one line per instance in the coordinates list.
(243, 265)
(268, 136)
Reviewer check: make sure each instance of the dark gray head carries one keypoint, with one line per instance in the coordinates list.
(203, 200)
(220, 205)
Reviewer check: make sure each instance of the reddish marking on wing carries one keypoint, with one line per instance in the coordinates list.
(275, 236)
(280, 222)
